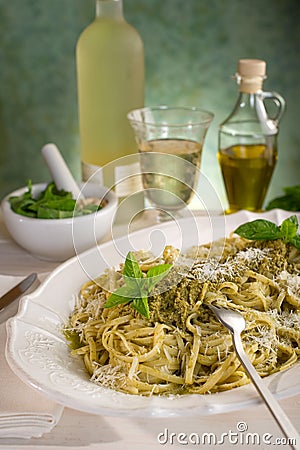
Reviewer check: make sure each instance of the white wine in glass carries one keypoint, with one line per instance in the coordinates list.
(170, 142)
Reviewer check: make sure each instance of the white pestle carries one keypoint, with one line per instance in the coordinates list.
(59, 170)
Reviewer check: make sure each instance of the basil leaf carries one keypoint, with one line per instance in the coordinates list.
(264, 230)
(52, 193)
(137, 287)
(290, 201)
(56, 209)
(23, 203)
(259, 229)
(295, 241)
(29, 186)
(141, 306)
(124, 294)
(289, 228)
(293, 190)
(22, 206)
(50, 204)
(131, 270)
(156, 274)
(87, 209)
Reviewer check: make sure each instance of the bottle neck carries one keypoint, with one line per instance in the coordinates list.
(244, 108)
(112, 9)
(249, 85)
(247, 99)
(250, 108)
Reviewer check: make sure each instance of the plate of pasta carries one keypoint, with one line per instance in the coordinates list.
(125, 328)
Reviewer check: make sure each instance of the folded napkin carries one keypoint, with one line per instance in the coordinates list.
(24, 413)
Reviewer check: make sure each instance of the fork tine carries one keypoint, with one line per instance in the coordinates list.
(234, 321)
(214, 307)
(231, 319)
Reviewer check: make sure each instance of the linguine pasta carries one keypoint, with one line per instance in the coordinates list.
(182, 348)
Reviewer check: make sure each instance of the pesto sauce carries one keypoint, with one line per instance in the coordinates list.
(173, 299)
(73, 339)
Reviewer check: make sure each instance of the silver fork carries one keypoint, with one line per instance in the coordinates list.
(235, 323)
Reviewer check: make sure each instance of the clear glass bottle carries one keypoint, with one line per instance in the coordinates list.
(110, 79)
(248, 139)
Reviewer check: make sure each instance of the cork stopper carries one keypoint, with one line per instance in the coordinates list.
(250, 75)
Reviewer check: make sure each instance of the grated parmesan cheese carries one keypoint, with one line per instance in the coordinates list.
(108, 376)
(292, 282)
(216, 271)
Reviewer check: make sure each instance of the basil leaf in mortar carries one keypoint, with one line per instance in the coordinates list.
(51, 203)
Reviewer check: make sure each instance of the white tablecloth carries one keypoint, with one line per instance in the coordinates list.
(80, 431)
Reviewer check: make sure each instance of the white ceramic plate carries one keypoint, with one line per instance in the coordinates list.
(38, 353)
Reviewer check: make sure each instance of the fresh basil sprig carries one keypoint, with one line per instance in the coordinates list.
(264, 230)
(290, 201)
(52, 203)
(137, 287)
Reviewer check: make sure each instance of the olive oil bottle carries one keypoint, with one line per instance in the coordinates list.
(248, 140)
(110, 80)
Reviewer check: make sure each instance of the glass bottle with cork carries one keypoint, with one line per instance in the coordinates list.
(110, 80)
(248, 139)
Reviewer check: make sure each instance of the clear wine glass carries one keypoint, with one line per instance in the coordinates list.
(170, 142)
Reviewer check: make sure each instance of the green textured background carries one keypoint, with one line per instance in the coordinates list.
(192, 48)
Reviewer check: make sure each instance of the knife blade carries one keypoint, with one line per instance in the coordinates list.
(17, 291)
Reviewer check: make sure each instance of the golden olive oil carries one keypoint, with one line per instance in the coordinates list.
(248, 138)
(247, 171)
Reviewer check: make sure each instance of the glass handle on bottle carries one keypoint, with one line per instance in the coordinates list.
(279, 102)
